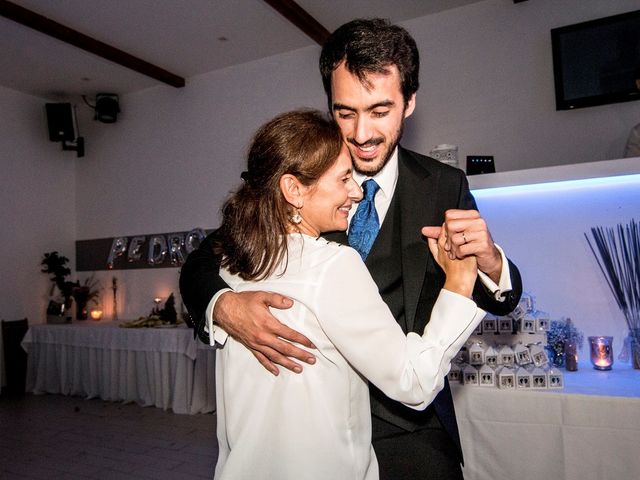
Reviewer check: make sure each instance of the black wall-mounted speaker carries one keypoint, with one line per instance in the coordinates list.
(60, 122)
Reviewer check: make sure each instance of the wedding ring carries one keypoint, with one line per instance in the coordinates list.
(464, 238)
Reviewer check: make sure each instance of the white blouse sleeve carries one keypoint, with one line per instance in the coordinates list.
(407, 368)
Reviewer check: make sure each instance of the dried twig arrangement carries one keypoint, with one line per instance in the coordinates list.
(617, 251)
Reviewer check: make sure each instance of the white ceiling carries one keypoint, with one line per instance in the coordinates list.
(181, 36)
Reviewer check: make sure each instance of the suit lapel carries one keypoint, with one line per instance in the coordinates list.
(416, 186)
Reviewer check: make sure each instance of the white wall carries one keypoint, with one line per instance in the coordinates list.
(37, 198)
(487, 86)
(174, 154)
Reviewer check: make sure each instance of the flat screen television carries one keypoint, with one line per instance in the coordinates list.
(597, 62)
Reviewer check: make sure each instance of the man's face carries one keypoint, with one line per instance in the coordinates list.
(370, 116)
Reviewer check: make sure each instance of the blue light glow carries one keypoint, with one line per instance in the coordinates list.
(621, 180)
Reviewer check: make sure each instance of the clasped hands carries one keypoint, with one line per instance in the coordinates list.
(466, 234)
(246, 316)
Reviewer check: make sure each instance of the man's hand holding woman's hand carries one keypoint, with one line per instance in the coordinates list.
(467, 234)
(461, 273)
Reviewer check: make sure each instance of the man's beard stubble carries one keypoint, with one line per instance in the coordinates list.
(387, 155)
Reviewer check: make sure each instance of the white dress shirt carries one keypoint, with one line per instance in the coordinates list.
(387, 179)
(317, 425)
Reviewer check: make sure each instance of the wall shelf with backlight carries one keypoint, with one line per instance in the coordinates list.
(543, 218)
(621, 170)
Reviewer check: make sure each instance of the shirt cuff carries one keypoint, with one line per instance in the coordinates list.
(504, 285)
(219, 334)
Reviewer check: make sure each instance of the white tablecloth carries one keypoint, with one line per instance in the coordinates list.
(163, 367)
(589, 430)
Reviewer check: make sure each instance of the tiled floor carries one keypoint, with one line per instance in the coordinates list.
(58, 437)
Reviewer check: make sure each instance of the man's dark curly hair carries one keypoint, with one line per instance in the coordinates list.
(371, 46)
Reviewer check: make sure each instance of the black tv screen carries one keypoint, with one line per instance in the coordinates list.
(597, 62)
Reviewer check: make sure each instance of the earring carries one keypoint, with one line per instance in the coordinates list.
(296, 218)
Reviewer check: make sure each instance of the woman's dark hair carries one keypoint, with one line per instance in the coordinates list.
(255, 219)
(371, 46)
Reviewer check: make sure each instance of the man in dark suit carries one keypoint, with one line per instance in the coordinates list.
(370, 74)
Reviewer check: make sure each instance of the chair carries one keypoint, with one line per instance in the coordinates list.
(15, 358)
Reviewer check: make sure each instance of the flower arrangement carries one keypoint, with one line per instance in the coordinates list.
(56, 265)
(560, 333)
(85, 293)
(159, 317)
(88, 291)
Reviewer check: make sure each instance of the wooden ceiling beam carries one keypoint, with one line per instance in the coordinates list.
(301, 19)
(54, 29)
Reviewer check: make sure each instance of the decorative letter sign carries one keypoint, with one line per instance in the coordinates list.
(139, 251)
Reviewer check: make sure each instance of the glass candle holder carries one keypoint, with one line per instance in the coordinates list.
(601, 352)
(95, 313)
(571, 356)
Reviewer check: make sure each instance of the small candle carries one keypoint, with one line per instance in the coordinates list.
(601, 352)
(96, 313)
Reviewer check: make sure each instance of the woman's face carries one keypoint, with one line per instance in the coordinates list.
(326, 204)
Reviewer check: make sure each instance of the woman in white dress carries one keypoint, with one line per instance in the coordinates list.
(317, 425)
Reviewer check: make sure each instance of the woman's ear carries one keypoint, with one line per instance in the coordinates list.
(292, 189)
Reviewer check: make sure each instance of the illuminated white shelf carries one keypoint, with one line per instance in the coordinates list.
(561, 173)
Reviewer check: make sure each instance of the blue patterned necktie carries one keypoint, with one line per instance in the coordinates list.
(364, 226)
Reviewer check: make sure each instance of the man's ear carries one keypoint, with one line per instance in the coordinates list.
(292, 189)
(410, 107)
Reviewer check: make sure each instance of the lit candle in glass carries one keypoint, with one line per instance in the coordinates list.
(156, 309)
(95, 313)
(601, 352)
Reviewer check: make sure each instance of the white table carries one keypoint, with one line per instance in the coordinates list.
(163, 367)
(588, 430)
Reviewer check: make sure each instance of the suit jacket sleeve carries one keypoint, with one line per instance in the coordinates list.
(199, 282)
(483, 298)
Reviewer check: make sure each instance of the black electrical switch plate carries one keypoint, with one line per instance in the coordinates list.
(480, 164)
